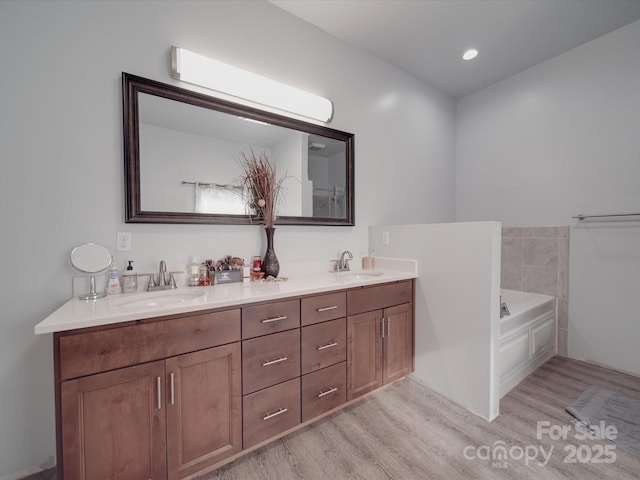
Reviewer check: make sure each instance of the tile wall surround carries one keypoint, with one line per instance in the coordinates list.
(536, 260)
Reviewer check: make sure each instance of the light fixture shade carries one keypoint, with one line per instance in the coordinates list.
(224, 78)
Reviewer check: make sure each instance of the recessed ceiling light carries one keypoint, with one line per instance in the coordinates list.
(470, 54)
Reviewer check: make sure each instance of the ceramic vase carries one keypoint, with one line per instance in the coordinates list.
(270, 264)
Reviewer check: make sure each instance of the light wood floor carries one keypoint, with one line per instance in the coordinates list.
(407, 432)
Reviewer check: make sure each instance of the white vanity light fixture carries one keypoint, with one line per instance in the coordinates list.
(470, 54)
(224, 78)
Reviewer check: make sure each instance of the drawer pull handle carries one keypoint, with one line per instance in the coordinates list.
(159, 390)
(274, 319)
(273, 362)
(275, 414)
(326, 309)
(331, 390)
(329, 345)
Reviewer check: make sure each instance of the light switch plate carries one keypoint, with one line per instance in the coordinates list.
(385, 238)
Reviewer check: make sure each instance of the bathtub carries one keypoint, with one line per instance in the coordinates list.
(527, 336)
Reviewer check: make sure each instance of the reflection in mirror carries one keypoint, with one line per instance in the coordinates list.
(182, 152)
(91, 259)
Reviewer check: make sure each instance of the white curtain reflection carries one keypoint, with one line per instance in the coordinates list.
(222, 199)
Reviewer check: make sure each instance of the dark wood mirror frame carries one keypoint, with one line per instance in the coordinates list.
(133, 85)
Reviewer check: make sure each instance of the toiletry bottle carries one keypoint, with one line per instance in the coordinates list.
(203, 278)
(129, 280)
(194, 272)
(113, 285)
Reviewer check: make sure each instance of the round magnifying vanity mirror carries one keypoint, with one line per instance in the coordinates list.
(90, 260)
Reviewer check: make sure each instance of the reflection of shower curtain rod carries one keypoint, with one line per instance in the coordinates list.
(213, 185)
(584, 217)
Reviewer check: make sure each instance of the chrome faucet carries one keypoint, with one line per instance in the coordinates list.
(162, 280)
(504, 310)
(342, 265)
(162, 283)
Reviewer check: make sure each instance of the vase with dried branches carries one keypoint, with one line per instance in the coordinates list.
(263, 188)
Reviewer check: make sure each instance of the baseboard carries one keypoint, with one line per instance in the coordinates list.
(32, 473)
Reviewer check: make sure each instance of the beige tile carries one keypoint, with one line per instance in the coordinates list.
(563, 313)
(563, 252)
(536, 279)
(563, 342)
(511, 232)
(563, 283)
(563, 232)
(544, 232)
(511, 276)
(541, 252)
(512, 250)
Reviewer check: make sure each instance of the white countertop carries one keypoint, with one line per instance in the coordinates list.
(113, 309)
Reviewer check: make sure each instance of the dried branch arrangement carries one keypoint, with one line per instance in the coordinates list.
(259, 180)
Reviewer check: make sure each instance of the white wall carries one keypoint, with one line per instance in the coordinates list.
(61, 159)
(170, 156)
(457, 334)
(554, 141)
(287, 155)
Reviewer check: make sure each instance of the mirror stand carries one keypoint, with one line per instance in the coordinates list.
(90, 260)
(93, 293)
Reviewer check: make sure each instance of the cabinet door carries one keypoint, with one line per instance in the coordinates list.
(204, 402)
(364, 353)
(113, 425)
(398, 343)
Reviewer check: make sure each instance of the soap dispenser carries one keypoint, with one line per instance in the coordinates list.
(113, 285)
(129, 280)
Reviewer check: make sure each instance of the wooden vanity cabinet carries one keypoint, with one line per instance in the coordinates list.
(174, 397)
(380, 346)
(165, 418)
(204, 409)
(112, 427)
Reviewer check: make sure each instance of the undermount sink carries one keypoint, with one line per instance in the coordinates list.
(358, 275)
(167, 298)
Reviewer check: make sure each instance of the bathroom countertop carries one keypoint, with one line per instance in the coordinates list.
(76, 313)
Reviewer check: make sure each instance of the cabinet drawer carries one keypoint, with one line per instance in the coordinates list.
(377, 297)
(269, 360)
(270, 318)
(323, 307)
(323, 390)
(103, 350)
(270, 412)
(323, 344)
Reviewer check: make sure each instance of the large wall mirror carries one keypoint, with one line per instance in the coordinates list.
(182, 152)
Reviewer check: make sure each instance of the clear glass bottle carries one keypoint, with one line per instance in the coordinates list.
(194, 272)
